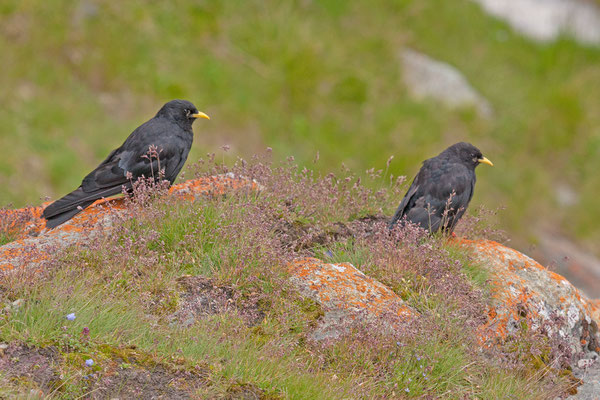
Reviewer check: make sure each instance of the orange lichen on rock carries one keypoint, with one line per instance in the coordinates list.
(347, 294)
(525, 291)
(33, 243)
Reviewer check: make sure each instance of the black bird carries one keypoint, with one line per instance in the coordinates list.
(170, 131)
(440, 193)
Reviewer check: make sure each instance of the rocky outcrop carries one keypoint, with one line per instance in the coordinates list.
(33, 244)
(428, 78)
(547, 19)
(522, 292)
(523, 295)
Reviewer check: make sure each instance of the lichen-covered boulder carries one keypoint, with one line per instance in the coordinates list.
(347, 296)
(525, 291)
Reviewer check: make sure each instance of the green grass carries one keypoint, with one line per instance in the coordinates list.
(302, 78)
(5, 238)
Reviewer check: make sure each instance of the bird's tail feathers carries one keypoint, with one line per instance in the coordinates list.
(68, 206)
(58, 219)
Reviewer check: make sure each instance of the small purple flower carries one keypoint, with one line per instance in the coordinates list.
(418, 358)
(89, 362)
(328, 253)
(407, 390)
(424, 374)
(71, 317)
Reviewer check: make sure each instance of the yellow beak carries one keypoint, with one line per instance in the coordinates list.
(484, 160)
(200, 114)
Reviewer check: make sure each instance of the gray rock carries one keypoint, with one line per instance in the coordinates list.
(565, 195)
(585, 363)
(429, 78)
(546, 19)
(590, 389)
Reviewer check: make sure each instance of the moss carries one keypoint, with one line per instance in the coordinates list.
(311, 309)
(76, 361)
(129, 355)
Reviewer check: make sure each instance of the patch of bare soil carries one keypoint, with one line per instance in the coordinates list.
(31, 366)
(27, 367)
(204, 297)
(156, 382)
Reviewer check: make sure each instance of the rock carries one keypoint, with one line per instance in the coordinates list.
(347, 296)
(547, 19)
(590, 389)
(585, 363)
(83, 11)
(525, 291)
(35, 245)
(13, 306)
(428, 78)
(565, 195)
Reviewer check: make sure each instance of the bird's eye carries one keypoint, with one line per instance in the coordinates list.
(187, 113)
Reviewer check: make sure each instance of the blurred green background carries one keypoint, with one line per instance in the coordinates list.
(301, 77)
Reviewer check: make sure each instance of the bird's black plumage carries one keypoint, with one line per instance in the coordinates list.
(170, 131)
(440, 193)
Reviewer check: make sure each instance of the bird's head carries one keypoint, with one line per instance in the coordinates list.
(181, 111)
(468, 154)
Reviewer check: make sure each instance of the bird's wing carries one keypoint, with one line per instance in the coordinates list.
(108, 174)
(426, 200)
(450, 177)
(172, 143)
(133, 157)
(402, 208)
(415, 191)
